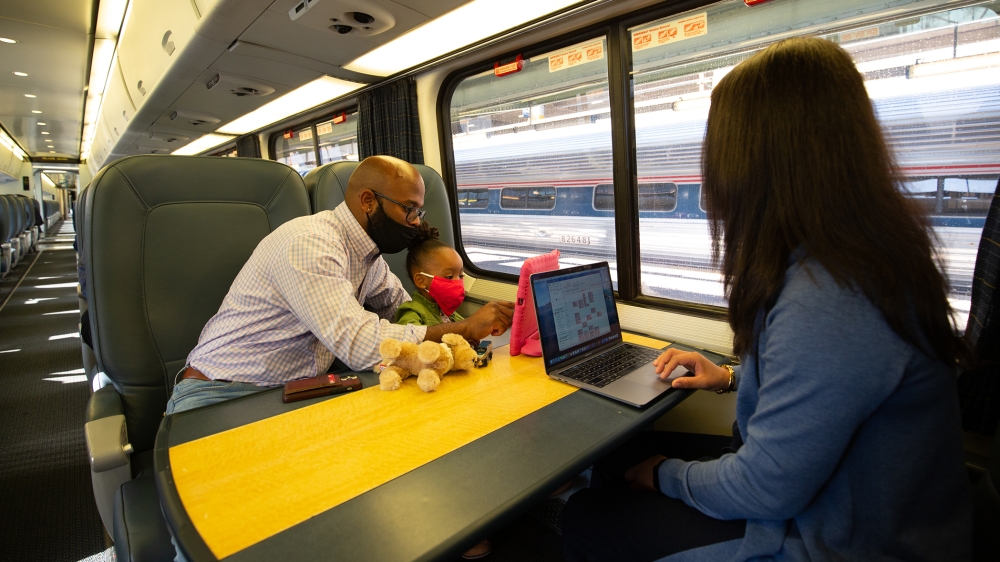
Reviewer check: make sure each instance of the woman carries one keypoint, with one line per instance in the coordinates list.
(847, 405)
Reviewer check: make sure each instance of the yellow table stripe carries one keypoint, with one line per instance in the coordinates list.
(244, 485)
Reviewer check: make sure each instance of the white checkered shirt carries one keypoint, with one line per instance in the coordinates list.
(298, 303)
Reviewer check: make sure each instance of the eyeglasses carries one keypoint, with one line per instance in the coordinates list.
(412, 213)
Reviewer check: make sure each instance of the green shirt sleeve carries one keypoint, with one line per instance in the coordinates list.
(406, 314)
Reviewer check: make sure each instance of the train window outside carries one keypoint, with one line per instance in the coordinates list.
(338, 138)
(548, 123)
(297, 149)
(473, 198)
(657, 197)
(529, 198)
(604, 197)
(937, 99)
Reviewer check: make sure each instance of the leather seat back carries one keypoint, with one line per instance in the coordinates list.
(6, 221)
(81, 256)
(25, 216)
(16, 216)
(164, 237)
(327, 185)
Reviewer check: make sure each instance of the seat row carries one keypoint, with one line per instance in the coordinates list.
(20, 230)
(160, 241)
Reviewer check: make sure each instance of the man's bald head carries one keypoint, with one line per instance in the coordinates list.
(385, 174)
(388, 176)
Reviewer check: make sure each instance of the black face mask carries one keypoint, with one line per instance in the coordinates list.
(390, 236)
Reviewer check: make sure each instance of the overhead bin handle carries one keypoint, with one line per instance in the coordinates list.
(167, 44)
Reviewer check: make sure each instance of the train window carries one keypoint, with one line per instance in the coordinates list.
(473, 198)
(929, 77)
(547, 124)
(653, 197)
(657, 197)
(529, 198)
(338, 138)
(230, 153)
(297, 149)
(604, 197)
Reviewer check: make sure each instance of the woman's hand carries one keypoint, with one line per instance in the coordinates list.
(640, 476)
(707, 375)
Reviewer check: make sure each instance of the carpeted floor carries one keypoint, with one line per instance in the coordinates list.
(46, 502)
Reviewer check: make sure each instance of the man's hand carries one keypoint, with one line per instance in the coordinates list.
(492, 319)
(640, 476)
(707, 375)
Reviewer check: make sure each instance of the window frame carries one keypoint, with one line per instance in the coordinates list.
(623, 149)
(272, 139)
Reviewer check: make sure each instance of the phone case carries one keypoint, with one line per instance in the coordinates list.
(322, 385)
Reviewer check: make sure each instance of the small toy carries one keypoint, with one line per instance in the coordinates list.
(484, 352)
(429, 361)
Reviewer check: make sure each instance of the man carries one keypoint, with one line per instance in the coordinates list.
(300, 299)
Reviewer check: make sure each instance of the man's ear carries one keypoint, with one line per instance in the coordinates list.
(367, 199)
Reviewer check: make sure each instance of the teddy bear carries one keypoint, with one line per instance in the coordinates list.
(428, 360)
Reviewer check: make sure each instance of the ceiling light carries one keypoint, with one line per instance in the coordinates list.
(35, 111)
(202, 144)
(950, 66)
(52, 152)
(45, 132)
(40, 123)
(100, 65)
(6, 40)
(318, 91)
(462, 26)
(16, 73)
(29, 95)
(109, 18)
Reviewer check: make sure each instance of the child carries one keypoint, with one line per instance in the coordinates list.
(436, 270)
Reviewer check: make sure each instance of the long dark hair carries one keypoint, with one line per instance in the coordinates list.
(795, 158)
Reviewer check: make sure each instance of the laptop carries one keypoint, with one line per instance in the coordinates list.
(581, 337)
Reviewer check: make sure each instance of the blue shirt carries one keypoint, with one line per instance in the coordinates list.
(852, 441)
(299, 301)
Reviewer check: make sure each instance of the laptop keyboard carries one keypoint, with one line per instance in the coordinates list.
(606, 368)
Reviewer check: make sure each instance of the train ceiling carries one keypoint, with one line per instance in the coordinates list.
(43, 74)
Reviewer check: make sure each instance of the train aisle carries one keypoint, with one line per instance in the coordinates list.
(47, 509)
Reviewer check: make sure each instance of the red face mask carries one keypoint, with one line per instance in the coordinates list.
(447, 293)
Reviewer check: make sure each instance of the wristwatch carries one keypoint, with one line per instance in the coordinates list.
(732, 380)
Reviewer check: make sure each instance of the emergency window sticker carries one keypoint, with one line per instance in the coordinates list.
(573, 56)
(670, 32)
(324, 129)
(305, 134)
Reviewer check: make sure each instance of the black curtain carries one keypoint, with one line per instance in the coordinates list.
(388, 122)
(248, 146)
(979, 387)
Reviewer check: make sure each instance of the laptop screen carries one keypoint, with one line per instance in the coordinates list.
(576, 311)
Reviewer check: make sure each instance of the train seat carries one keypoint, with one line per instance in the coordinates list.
(32, 228)
(25, 225)
(327, 185)
(16, 229)
(12, 230)
(163, 237)
(86, 341)
(6, 230)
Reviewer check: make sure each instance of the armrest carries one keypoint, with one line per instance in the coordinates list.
(104, 403)
(105, 431)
